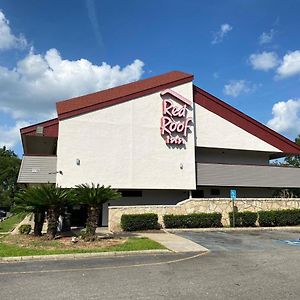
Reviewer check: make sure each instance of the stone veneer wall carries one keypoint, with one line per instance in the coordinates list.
(206, 205)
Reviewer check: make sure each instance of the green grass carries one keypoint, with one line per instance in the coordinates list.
(10, 223)
(131, 244)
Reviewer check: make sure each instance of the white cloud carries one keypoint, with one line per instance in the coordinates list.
(264, 61)
(218, 36)
(290, 65)
(10, 136)
(29, 90)
(92, 14)
(237, 87)
(286, 117)
(7, 39)
(38, 81)
(266, 37)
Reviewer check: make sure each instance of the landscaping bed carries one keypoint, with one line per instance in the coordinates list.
(24, 245)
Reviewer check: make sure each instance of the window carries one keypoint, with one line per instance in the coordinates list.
(215, 192)
(198, 194)
(131, 193)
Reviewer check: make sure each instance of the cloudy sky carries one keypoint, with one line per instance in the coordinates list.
(245, 52)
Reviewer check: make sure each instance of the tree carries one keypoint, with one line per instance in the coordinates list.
(9, 170)
(93, 196)
(294, 160)
(27, 200)
(46, 197)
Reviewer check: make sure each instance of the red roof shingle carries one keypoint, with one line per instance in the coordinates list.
(130, 91)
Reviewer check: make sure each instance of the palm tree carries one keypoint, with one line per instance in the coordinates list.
(49, 197)
(93, 196)
(26, 200)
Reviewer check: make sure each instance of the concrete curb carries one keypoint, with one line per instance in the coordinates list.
(82, 255)
(236, 229)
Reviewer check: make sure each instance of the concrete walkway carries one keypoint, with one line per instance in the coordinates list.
(174, 242)
(27, 220)
(171, 241)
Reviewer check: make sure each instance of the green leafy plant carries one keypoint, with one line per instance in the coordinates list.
(41, 198)
(9, 170)
(199, 220)
(288, 217)
(244, 219)
(25, 229)
(93, 196)
(133, 222)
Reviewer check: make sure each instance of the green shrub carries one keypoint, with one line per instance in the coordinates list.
(135, 222)
(266, 218)
(288, 217)
(25, 229)
(244, 219)
(199, 220)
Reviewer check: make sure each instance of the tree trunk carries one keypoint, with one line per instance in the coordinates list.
(52, 216)
(92, 222)
(39, 218)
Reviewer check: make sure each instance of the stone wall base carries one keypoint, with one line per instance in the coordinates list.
(203, 205)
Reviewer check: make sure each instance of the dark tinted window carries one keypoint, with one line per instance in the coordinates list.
(215, 192)
(198, 194)
(131, 193)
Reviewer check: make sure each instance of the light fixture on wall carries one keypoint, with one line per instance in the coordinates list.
(56, 172)
(181, 166)
(77, 161)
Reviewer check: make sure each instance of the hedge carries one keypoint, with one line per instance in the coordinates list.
(25, 229)
(244, 219)
(288, 217)
(133, 222)
(199, 220)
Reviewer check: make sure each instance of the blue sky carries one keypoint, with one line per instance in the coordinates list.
(245, 52)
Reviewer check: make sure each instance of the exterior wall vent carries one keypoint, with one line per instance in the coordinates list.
(39, 130)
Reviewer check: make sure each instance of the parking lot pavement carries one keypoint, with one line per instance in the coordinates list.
(245, 241)
(252, 265)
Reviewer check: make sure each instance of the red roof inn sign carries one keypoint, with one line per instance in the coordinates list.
(174, 122)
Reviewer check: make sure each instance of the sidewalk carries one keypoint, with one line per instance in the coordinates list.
(174, 242)
(171, 241)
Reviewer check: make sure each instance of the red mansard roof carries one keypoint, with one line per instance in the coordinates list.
(50, 128)
(73, 107)
(106, 98)
(245, 122)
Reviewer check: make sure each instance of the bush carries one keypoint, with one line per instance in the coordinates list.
(200, 220)
(266, 218)
(244, 219)
(25, 229)
(135, 222)
(288, 217)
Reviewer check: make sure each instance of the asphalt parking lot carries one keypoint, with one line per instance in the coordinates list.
(257, 241)
(252, 265)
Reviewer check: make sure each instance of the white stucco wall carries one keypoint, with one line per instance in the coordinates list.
(215, 132)
(121, 146)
